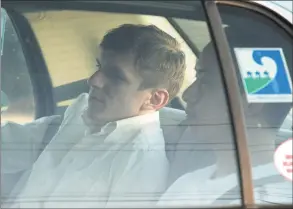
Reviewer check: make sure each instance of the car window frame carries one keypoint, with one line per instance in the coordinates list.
(234, 102)
(283, 23)
(37, 69)
(256, 8)
(171, 12)
(185, 10)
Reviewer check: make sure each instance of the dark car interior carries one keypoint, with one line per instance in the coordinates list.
(40, 82)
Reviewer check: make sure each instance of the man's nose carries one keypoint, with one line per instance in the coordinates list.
(97, 80)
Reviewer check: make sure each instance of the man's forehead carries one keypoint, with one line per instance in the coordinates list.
(122, 62)
(125, 58)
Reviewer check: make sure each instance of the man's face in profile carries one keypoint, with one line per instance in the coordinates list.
(115, 88)
(207, 110)
(205, 98)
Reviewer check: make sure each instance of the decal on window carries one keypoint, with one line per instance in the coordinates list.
(283, 159)
(265, 75)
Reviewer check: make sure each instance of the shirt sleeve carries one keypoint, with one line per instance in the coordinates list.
(20, 146)
(20, 143)
(141, 181)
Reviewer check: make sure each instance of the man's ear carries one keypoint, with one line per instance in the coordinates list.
(159, 99)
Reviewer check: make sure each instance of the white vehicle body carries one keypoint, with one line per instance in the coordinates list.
(283, 8)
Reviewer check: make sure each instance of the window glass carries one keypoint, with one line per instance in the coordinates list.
(262, 52)
(78, 42)
(101, 157)
(206, 147)
(17, 101)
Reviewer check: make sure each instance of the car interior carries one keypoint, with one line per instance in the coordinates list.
(68, 42)
(69, 49)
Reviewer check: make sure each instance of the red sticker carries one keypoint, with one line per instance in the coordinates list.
(283, 159)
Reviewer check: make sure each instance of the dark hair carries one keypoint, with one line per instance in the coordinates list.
(158, 56)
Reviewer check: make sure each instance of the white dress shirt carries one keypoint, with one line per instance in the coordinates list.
(124, 164)
(199, 189)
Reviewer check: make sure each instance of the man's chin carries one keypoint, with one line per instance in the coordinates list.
(95, 117)
(89, 116)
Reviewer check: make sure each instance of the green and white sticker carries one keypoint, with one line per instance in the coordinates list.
(265, 75)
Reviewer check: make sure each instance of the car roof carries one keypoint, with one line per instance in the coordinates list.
(283, 8)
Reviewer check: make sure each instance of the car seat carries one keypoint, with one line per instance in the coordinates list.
(270, 113)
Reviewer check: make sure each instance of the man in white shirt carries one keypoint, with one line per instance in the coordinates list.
(109, 149)
(208, 133)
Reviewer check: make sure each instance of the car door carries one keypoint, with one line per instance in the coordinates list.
(260, 31)
(57, 43)
(246, 27)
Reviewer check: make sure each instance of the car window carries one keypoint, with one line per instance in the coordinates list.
(203, 163)
(17, 99)
(79, 42)
(198, 144)
(262, 52)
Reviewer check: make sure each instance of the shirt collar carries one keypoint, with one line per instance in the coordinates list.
(130, 123)
(138, 120)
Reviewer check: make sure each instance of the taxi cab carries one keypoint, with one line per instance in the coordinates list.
(49, 49)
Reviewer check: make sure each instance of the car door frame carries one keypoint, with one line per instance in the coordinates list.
(37, 69)
(42, 84)
(243, 153)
